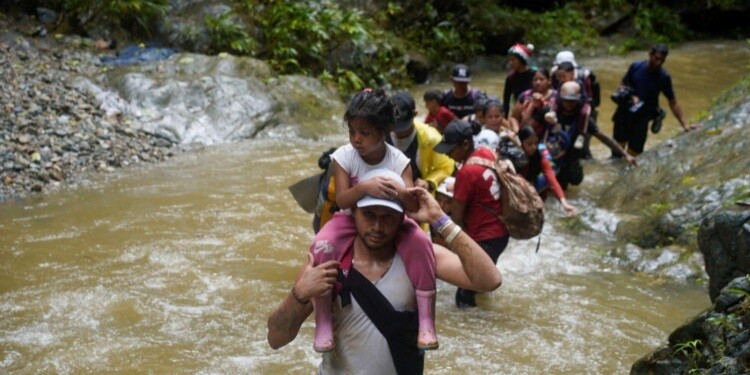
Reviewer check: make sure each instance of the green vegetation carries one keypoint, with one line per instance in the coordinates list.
(350, 49)
(691, 351)
(135, 15)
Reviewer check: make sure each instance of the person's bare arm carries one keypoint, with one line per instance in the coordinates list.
(285, 321)
(614, 146)
(466, 264)
(677, 112)
(346, 195)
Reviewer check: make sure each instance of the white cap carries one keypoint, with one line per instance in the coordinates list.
(564, 56)
(488, 138)
(446, 187)
(570, 90)
(368, 201)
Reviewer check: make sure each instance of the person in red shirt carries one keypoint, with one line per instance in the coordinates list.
(438, 115)
(476, 196)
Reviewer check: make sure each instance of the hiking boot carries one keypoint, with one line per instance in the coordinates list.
(658, 120)
(323, 324)
(427, 339)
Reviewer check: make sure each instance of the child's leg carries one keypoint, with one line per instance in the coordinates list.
(415, 249)
(334, 238)
(330, 243)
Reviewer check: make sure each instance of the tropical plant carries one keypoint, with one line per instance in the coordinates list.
(130, 14)
(691, 351)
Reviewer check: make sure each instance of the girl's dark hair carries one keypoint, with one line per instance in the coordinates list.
(492, 102)
(544, 72)
(433, 95)
(467, 130)
(526, 132)
(373, 106)
(566, 66)
(480, 102)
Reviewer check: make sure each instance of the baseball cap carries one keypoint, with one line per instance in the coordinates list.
(564, 56)
(488, 138)
(461, 73)
(403, 111)
(570, 90)
(454, 133)
(446, 187)
(368, 200)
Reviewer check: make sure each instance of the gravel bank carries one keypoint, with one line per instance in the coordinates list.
(53, 135)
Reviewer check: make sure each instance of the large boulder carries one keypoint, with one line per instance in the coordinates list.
(715, 342)
(724, 240)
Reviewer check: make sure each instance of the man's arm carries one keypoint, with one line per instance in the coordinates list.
(677, 112)
(285, 321)
(466, 264)
(614, 146)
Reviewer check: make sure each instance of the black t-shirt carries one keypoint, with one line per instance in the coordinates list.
(515, 84)
(461, 107)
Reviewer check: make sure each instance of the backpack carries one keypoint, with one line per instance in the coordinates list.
(522, 208)
(326, 201)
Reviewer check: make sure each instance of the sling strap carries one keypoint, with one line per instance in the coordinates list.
(400, 328)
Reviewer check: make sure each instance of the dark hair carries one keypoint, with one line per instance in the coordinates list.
(659, 48)
(526, 132)
(374, 107)
(480, 103)
(544, 71)
(493, 102)
(433, 95)
(566, 66)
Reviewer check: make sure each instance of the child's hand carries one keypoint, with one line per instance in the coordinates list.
(380, 187)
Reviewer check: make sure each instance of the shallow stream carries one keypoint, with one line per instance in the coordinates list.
(174, 268)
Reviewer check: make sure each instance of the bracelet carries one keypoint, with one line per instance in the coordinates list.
(441, 222)
(296, 298)
(445, 227)
(456, 230)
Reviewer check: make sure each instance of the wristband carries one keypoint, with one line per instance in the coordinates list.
(299, 300)
(456, 230)
(445, 227)
(441, 222)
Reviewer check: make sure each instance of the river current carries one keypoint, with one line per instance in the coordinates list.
(174, 268)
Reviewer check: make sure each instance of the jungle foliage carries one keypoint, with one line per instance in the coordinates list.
(351, 50)
(139, 16)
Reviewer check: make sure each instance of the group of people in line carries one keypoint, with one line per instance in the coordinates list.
(400, 206)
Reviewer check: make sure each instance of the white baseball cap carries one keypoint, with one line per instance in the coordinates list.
(446, 187)
(564, 56)
(488, 138)
(368, 200)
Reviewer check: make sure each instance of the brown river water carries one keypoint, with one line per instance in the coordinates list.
(174, 268)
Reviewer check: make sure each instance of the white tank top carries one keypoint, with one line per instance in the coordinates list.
(360, 347)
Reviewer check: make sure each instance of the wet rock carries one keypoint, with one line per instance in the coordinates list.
(714, 342)
(725, 247)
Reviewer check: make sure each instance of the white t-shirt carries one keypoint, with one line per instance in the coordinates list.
(360, 347)
(352, 163)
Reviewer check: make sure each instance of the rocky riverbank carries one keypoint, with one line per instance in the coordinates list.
(53, 135)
